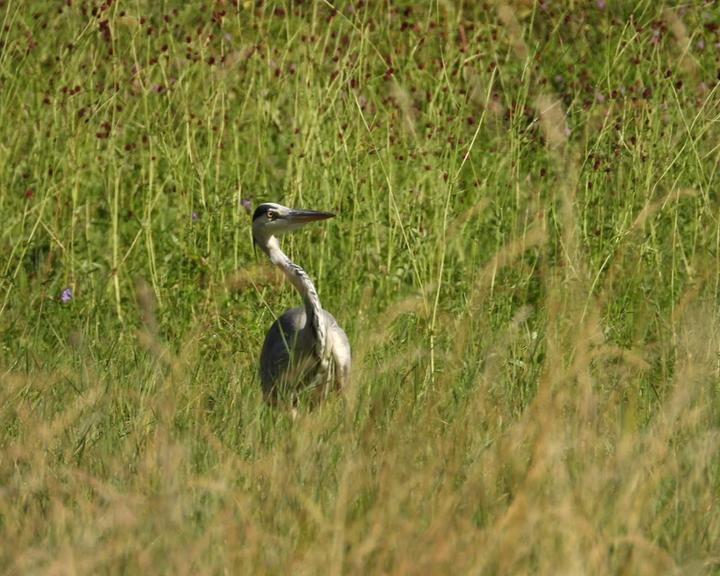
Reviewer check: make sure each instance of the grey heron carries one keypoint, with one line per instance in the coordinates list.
(305, 351)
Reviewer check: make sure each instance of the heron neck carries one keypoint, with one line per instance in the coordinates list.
(302, 283)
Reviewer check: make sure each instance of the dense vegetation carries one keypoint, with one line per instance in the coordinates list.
(526, 260)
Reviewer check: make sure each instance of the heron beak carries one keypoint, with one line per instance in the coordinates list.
(303, 216)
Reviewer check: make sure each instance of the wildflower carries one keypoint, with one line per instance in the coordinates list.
(66, 295)
(193, 216)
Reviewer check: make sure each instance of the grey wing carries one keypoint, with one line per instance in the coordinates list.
(340, 348)
(276, 351)
(287, 354)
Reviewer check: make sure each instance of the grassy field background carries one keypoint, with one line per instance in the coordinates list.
(525, 258)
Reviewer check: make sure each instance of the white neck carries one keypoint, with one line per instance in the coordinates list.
(302, 283)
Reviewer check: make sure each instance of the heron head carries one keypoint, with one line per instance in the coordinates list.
(272, 219)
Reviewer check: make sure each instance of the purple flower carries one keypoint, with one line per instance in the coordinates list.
(193, 216)
(600, 4)
(66, 295)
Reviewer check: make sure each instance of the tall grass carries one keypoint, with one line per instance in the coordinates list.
(525, 261)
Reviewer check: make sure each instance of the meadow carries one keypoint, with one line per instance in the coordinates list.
(526, 259)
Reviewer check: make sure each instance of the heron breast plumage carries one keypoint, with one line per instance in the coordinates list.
(289, 364)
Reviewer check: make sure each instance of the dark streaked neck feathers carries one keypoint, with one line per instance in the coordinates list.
(304, 285)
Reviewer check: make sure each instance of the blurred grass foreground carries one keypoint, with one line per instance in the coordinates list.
(526, 260)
